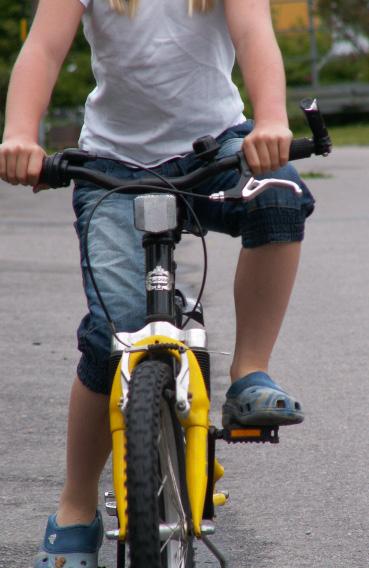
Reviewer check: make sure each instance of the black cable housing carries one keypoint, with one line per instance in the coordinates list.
(122, 189)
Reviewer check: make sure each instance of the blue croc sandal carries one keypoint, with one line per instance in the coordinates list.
(256, 400)
(75, 546)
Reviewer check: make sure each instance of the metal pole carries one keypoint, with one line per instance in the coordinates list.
(313, 46)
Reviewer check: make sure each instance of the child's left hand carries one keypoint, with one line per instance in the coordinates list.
(267, 147)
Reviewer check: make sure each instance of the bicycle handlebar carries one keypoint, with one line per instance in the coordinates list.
(59, 169)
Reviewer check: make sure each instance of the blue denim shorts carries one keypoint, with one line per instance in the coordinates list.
(116, 253)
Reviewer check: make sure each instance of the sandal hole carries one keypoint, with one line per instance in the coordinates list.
(280, 403)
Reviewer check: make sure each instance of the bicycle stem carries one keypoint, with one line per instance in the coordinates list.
(160, 277)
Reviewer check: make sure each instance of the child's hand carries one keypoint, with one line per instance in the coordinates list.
(21, 161)
(267, 147)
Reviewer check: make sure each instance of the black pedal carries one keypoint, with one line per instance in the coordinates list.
(248, 434)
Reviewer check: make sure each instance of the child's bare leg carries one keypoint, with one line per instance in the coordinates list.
(264, 281)
(88, 447)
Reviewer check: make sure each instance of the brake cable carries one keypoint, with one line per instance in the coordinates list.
(123, 189)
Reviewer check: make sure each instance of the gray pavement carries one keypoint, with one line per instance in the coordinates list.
(301, 504)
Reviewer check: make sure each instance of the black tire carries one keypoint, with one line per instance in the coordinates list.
(155, 473)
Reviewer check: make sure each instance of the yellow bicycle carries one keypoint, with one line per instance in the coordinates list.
(164, 464)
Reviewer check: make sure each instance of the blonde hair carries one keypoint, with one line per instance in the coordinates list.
(129, 7)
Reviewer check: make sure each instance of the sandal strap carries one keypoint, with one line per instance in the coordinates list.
(255, 379)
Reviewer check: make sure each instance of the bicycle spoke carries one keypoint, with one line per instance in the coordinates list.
(174, 490)
(180, 555)
(170, 537)
(162, 485)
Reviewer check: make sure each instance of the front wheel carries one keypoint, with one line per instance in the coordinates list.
(158, 512)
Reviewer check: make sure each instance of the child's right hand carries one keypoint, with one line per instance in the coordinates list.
(21, 161)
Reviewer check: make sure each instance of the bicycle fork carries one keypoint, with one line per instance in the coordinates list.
(192, 408)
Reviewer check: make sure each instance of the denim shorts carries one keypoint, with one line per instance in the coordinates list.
(116, 254)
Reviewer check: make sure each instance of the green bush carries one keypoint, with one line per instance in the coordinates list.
(10, 44)
(75, 80)
(351, 68)
(295, 50)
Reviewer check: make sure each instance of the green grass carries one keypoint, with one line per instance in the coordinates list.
(315, 175)
(344, 135)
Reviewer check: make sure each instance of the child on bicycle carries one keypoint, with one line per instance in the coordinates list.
(163, 78)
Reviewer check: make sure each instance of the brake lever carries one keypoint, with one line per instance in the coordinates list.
(236, 192)
(254, 187)
(248, 187)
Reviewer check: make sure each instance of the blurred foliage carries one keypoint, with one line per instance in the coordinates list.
(295, 48)
(10, 42)
(75, 80)
(341, 14)
(350, 68)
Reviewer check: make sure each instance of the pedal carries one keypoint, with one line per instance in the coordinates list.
(249, 434)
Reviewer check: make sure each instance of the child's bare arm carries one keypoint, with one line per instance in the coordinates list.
(260, 61)
(31, 85)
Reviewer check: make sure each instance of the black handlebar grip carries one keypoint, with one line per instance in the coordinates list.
(314, 117)
(53, 171)
(317, 125)
(301, 148)
(43, 178)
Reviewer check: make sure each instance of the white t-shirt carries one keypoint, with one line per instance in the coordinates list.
(163, 78)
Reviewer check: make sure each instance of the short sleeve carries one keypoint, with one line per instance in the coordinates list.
(85, 2)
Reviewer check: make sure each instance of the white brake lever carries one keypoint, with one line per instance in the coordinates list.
(254, 187)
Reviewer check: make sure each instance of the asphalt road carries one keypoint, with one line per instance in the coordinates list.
(301, 504)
